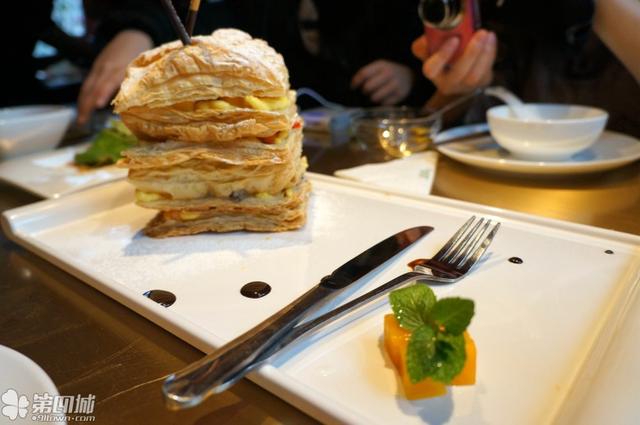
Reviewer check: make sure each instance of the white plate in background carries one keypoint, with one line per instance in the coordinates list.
(540, 327)
(52, 174)
(20, 379)
(612, 150)
(32, 128)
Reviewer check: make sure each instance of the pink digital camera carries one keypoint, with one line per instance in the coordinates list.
(449, 18)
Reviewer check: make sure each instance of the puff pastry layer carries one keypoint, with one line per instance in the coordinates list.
(181, 171)
(275, 214)
(226, 64)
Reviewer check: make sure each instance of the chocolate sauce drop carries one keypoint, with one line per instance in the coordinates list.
(255, 289)
(164, 298)
(516, 260)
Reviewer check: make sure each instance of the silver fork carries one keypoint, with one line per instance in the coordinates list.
(450, 264)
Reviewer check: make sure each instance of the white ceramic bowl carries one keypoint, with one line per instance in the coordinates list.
(26, 129)
(551, 132)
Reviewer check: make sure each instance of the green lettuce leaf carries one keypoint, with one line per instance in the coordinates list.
(105, 148)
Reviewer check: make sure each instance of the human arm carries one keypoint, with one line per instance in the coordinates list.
(616, 22)
(125, 29)
(108, 70)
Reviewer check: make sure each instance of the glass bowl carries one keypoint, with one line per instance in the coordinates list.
(399, 131)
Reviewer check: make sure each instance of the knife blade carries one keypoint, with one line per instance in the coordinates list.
(191, 385)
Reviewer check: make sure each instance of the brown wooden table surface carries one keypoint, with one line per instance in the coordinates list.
(90, 344)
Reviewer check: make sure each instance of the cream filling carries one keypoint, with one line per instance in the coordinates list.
(147, 196)
(276, 139)
(232, 103)
(142, 196)
(189, 215)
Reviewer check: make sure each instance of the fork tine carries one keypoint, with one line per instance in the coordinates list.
(479, 252)
(466, 244)
(444, 251)
(463, 250)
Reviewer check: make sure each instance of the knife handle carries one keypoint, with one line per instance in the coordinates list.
(199, 380)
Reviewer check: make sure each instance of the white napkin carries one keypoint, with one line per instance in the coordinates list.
(412, 175)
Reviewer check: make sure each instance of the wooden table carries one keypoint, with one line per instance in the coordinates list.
(89, 344)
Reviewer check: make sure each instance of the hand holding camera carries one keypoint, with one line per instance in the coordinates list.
(472, 70)
(456, 58)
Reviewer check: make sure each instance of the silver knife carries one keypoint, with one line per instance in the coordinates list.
(326, 319)
(193, 384)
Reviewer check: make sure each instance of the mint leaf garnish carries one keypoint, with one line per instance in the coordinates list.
(436, 348)
(420, 352)
(449, 357)
(435, 355)
(411, 305)
(453, 314)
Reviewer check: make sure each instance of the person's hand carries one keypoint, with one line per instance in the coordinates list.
(385, 82)
(472, 70)
(108, 71)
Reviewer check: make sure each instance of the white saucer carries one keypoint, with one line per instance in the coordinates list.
(21, 379)
(612, 150)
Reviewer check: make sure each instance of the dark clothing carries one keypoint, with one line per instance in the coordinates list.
(17, 76)
(352, 34)
(548, 53)
(150, 17)
(22, 24)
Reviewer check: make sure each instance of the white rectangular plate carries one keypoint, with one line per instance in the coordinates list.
(52, 174)
(541, 327)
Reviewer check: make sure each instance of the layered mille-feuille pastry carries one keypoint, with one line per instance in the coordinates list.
(221, 138)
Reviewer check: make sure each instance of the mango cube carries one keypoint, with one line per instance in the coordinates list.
(396, 340)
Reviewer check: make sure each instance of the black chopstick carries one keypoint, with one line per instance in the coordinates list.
(176, 23)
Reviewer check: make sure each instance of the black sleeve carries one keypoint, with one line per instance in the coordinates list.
(150, 17)
(396, 26)
(358, 32)
(145, 15)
